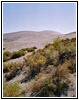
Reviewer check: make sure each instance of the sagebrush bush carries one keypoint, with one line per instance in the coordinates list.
(73, 39)
(29, 49)
(48, 86)
(7, 53)
(57, 43)
(6, 56)
(17, 54)
(36, 61)
(13, 69)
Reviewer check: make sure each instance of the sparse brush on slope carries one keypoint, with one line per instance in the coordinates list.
(49, 67)
(16, 54)
(61, 54)
(13, 69)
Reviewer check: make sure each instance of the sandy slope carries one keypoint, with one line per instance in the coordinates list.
(24, 39)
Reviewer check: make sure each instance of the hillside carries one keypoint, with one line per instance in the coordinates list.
(46, 72)
(17, 40)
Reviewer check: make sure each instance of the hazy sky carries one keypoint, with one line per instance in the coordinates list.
(59, 17)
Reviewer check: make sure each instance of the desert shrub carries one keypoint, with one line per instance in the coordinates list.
(65, 46)
(62, 70)
(36, 61)
(10, 76)
(7, 53)
(11, 90)
(17, 54)
(48, 86)
(73, 39)
(24, 49)
(57, 43)
(72, 48)
(60, 86)
(5, 68)
(13, 69)
(51, 56)
(65, 41)
(34, 47)
(72, 66)
(6, 56)
(48, 45)
(31, 49)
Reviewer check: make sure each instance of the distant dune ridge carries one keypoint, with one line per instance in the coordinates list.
(17, 40)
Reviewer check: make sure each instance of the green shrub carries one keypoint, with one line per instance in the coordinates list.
(7, 53)
(17, 54)
(6, 56)
(57, 43)
(11, 90)
(31, 49)
(13, 69)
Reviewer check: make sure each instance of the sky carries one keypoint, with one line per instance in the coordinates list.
(60, 17)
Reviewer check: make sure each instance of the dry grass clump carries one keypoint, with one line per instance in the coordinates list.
(11, 90)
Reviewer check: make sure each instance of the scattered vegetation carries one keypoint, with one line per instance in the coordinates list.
(16, 54)
(48, 67)
(13, 69)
